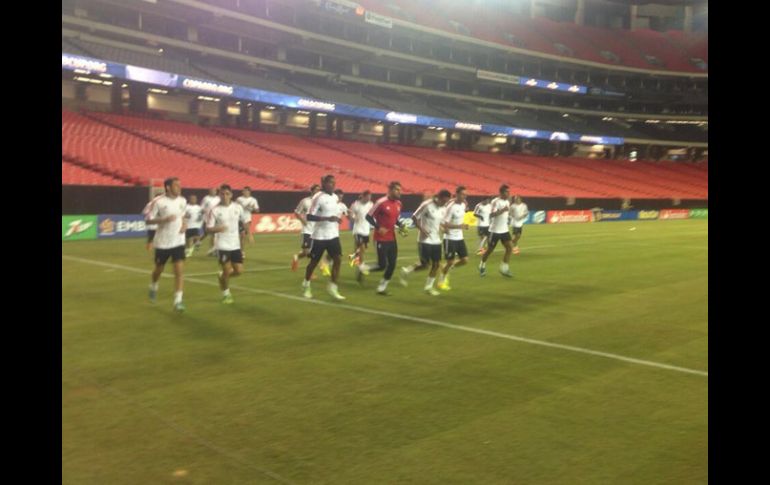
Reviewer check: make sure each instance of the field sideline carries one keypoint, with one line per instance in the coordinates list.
(401, 389)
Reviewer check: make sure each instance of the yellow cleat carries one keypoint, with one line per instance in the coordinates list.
(326, 271)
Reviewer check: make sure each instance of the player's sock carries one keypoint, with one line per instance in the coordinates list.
(177, 297)
(383, 285)
(482, 264)
(429, 282)
(504, 267)
(154, 286)
(305, 283)
(408, 269)
(226, 292)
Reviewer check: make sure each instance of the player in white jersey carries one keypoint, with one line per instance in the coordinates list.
(455, 251)
(151, 228)
(307, 226)
(223, 221)
(481, 211)
(361, 226)
(207, 203)
(194, 218)
(428, 219)
(498, 229)
(325, 212)
(167, 211)
(250, 206)
(519, 212)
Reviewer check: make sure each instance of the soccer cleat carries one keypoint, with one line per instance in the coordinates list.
(432, 291)
(506, 273)
(153, 295)
(179, 307)
(383, 292)
(481, 252)
(444, 285)
(516, 250)
(334, 292)
(482, 271)
(294, 263)
(353, 259)
(308, 293)
(326, 271)
(188, 252)
(228, 300)
(402, 277)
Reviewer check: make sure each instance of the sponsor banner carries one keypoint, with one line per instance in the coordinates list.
(674, 214)
(699, 213)
(113, 226)
(560, 217)
(553, 85)
(608, 215)
(536, 217)
(78, 228)
(378, 19)
(648, 215)
(170, 80)
(342, 7)
(288, 222)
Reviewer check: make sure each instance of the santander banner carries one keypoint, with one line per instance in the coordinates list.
(674, 214)
(288, 222)
(559, 217)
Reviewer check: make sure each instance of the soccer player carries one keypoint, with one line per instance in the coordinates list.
(519, 213)
(325, 212)
(223, 221)
(307, 226)
(384, 217)
(498, 229)
(151, 228)
(194, 218)
(324, 264)
(167, 211)
(455, 251)
(250, 206)
(361, 226)
(207, 203)
(427, 219)
(481, 211)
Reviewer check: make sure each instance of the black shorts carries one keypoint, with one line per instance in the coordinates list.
(176, 254)
(331, 246)
(195, 232)
(517, 230)
(360, 239)
(235, 256)
(150, 235)
(494, 238)
(455, 249)
(430, 252)
(307, 241)
(483, 231)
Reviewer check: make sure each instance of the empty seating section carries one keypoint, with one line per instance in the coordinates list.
(112, 149)
(72, 174)
(540, 34)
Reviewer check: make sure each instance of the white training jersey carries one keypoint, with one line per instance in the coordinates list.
(499, 223)
(302, 209)
(228, 216)
(430, 215)
(359, 211)
(169, 234)
(455, 214)
(208, 202)
(343, 208)
(194, 216)
(482, 213)
(145, 211)
(249, 204)
(519, 213)
(325, 205)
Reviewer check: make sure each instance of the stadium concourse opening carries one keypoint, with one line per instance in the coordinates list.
(306, 240)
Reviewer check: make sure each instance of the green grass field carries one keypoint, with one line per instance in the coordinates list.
(398, 389)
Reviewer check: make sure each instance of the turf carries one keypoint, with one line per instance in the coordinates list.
(277, 389)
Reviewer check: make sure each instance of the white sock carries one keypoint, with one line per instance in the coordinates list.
(226, 292)
(306, 284)
(441, 278)
(482, 264)
(363, 267)
(504, 266)
(429, 282)
(332, 287)
(383, 284)
(177, 297)
(154, 286)
(407, 269)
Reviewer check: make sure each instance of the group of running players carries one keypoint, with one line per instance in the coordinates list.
(175, 231)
